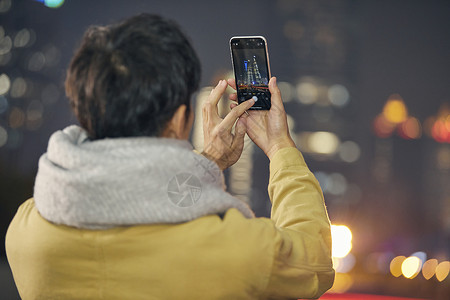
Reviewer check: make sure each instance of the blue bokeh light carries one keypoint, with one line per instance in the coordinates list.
(51, 3)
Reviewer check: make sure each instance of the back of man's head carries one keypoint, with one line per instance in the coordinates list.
(128, 79)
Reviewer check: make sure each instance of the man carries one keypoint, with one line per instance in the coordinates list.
(124, 209)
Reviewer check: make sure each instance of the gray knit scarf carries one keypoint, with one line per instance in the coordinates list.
(126, 181)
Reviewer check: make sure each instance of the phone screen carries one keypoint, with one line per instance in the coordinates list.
(251, 70)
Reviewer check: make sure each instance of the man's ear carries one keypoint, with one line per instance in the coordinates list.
(176, 126)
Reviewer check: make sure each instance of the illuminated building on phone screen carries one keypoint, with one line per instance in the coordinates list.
(252, 74)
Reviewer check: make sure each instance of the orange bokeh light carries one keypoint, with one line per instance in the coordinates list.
(410, 129)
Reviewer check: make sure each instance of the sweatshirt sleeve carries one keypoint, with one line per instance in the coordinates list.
(302, 266)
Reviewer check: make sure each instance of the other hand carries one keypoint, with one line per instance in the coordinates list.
(220, 144)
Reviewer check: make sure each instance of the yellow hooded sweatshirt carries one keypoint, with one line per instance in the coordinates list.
(285, 257)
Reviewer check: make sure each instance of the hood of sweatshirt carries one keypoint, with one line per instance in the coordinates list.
(127, 181)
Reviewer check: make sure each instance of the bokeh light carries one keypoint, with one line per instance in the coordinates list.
(23, 38)
(323, 142)
(18, 87)
(52, 3)
(349, 151)
(429, 268)
(5, 45)
(5, 5)
(338, 95)
(396, 266)
(3, 136)
(16, 117)
(442, 270)
(411, 267)
(337, 184)
(344, 264)
(342, 240)
(342, 283)
(382, 127)
(395, 110)
(5, 84)
(36, 61)
(307, 92)
(439, 126)
(410, 129)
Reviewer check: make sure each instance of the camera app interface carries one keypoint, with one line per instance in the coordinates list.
(251, 70)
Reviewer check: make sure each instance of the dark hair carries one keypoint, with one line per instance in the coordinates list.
(128, 79)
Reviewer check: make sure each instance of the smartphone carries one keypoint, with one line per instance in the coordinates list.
(250, 59)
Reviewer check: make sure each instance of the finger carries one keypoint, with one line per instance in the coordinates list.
(276, 100)
(233, 105)
(233, 97)
(239, 134)
(235, 113)
(217, 92)
(232, 82)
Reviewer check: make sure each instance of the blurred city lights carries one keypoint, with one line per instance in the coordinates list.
(342, 283)
(16, 117)
(395, 116)
(5, 84)
(3, 136)
(342, 240)
(18, 87)
(442, 270)
(307, 92)
(36, 61)
(52, 3)
(440, 125)
(5, 5)
(411, 267)
(337, 184)
(421, 255)
(410, 129)
(396, 266)
(382, 127)
(5, 45)
(344, 264)
(429, 268)
(395, 110)
(338, 95)
(323, 142)
(23, 38)
(349, 151)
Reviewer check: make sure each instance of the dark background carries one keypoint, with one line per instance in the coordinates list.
(399, 200)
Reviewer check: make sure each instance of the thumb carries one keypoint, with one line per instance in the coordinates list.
(275, 93)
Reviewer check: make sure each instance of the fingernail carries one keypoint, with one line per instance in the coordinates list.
(255, 98)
